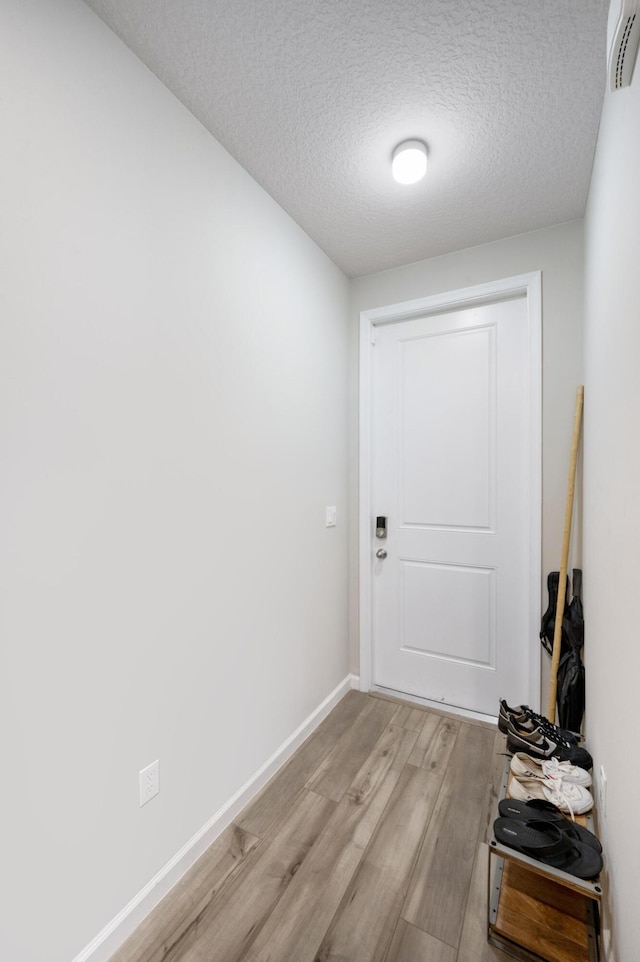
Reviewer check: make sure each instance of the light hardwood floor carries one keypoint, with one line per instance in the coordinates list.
(368, 846)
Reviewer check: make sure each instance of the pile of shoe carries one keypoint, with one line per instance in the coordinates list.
(563, 784)
(539, 830)
(529, 732)
(549, 779)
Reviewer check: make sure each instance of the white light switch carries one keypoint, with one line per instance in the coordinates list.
(331, 516)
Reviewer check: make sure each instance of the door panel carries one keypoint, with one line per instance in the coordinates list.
(442, 602)
(450, 472)
(447, 385)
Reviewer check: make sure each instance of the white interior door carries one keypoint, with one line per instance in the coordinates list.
(450, 472)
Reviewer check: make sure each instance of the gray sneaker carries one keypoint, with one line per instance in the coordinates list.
(530, 720)
(536, 744)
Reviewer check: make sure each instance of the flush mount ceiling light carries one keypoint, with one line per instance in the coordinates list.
(409, 163)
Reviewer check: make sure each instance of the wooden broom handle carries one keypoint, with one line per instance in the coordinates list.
(562, 585)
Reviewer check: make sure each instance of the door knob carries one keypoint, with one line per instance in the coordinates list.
(381, 553)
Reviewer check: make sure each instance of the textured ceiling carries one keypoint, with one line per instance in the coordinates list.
(311, 96)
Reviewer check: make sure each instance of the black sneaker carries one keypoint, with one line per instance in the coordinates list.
(537, 745)
(531, 720)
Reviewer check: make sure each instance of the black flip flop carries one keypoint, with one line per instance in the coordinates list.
(541, 809)
(545, 842)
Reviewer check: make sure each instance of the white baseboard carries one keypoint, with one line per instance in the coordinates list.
(113, 935)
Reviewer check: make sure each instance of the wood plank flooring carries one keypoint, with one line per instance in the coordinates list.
(368, 846)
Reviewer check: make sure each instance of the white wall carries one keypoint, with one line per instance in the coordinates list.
(611, 491)
(557, 252)
(173, 367)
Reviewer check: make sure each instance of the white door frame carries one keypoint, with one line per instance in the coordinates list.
(531, 286)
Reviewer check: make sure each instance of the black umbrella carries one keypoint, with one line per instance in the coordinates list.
(570, 693)
(547, 625)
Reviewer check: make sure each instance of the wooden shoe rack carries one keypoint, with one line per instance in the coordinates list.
(537, 913)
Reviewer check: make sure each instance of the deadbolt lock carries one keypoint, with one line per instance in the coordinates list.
(381, 526)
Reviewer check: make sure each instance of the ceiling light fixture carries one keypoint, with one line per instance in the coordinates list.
(409, 163)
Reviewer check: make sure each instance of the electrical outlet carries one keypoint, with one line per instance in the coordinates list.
(149, 782)
(602, 793)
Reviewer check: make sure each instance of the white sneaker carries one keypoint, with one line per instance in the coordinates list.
(524, 766)
(571, 799)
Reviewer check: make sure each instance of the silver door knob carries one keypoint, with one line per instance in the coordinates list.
(381, 553)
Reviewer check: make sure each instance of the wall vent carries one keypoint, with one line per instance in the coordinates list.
(623, 37)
